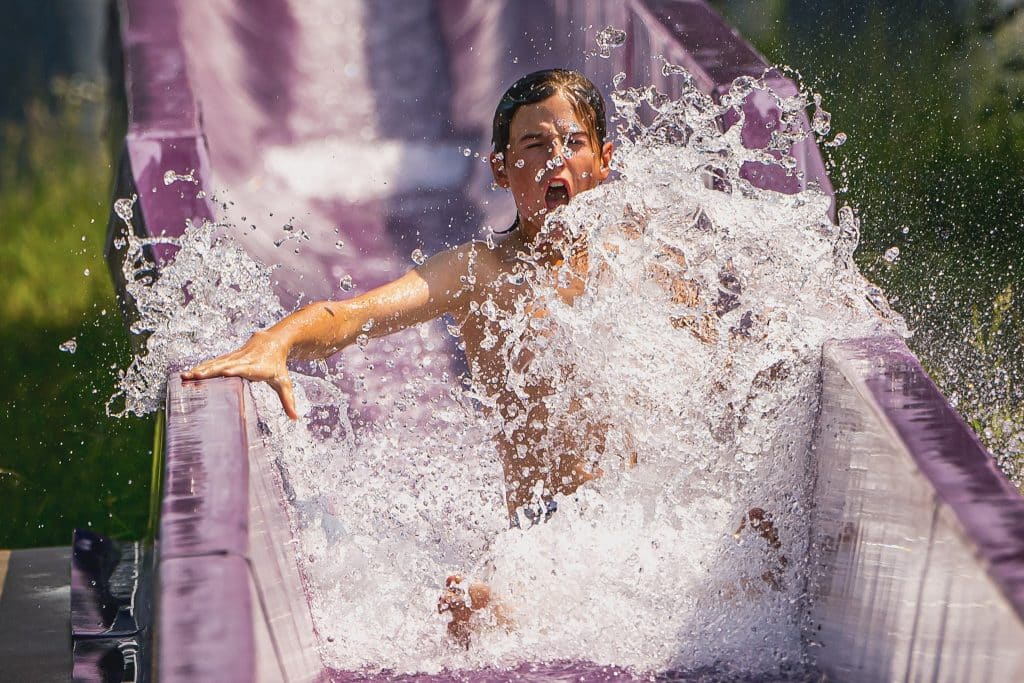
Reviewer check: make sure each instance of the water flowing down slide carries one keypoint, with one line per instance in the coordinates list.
(806, 502)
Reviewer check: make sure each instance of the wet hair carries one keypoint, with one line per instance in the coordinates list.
(584, 97)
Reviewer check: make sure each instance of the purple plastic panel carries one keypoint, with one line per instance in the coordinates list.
(111, 608)
(205, 620)
(204, 611)
(97, 608)
(225, 565)
(918, 538)
(163, 130)
(286, 642)
(160, 100)
(205, 498)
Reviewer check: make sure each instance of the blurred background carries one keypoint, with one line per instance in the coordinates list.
(929, 92)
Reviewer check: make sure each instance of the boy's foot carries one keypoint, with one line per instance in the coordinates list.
(462, 599)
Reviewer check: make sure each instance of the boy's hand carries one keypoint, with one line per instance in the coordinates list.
(261, 359)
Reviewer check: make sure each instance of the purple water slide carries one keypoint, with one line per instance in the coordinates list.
(916, 533)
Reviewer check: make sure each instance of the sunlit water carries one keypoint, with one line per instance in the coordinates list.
(696, 345)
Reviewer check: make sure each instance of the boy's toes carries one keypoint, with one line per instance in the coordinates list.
(454, 596)
(450, 602)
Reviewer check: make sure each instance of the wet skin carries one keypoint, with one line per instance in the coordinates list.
(548, 131)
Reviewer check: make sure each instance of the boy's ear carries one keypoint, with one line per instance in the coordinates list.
(606, 160)
(498, 170)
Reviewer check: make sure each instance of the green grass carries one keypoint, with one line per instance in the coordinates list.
(63, 462)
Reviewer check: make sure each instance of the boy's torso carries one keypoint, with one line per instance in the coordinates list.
(499, 315)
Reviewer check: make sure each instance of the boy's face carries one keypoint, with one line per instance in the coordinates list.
(550, 159)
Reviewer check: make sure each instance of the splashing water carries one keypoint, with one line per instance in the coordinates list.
(694, 348)
(171, 176)
(608, 38)
(207, 302)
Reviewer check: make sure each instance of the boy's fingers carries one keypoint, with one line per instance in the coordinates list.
(283, 387)
(203, 370)
(224, 366)
(242, 367)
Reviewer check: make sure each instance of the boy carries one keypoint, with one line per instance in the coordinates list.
(549, 145)
(549, 131)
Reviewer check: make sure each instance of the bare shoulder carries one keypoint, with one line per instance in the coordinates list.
(482, 263)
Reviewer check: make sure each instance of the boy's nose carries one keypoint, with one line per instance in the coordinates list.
(558, 153)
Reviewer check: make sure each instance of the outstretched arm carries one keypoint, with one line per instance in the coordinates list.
(323, 328)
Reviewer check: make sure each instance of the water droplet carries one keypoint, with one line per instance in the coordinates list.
(838, 140)
(417, 257)
(891, 255)
(454, 330)
(618, 78)
(346, 283)
(362, 340)
(172, 177)
(670, 69)
(821, 123)
(489, 309)
(70, 346)
(520, 163)
(339, 245)
(467, 152)
(368, 325)
(86, 272)
(905, 229)
(607, 38)
(123, 209)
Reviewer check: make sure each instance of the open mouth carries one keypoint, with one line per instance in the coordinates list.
(557, 194)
